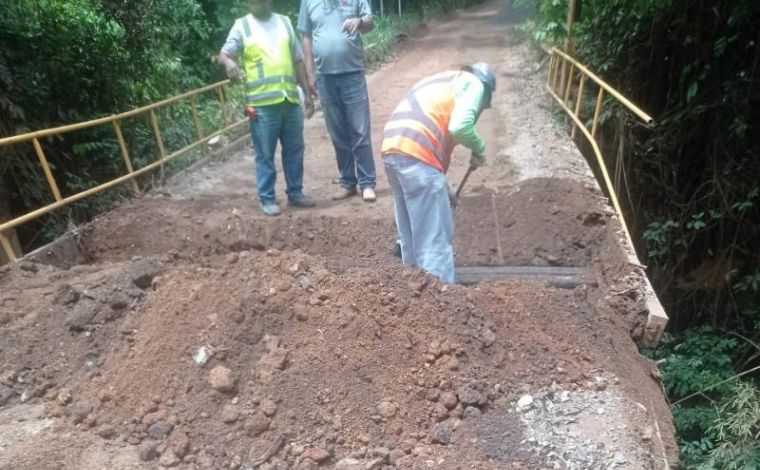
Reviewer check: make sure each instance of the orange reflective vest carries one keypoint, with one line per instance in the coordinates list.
(419, 126)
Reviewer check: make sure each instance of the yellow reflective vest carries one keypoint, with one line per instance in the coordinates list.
(268, 63)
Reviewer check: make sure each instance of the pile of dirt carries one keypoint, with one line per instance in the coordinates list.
(201, 227)
(276, 359)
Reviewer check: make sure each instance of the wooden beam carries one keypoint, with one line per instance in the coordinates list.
(557, 276)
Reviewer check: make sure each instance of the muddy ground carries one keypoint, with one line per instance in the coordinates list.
(199, 334)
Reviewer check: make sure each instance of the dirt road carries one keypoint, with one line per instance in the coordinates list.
(199, 334)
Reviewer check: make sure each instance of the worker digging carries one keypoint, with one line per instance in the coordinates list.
(438, 113)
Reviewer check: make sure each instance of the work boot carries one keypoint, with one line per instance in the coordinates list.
(301, 201)
(269, 208)
(369, 195)
(344, 193)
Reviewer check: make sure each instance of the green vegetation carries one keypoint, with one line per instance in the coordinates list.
(692, 194)
(66, 61)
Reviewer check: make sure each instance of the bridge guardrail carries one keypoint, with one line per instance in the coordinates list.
(130, 174)
(562, 84)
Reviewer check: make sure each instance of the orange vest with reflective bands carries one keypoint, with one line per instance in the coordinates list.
(419, 126)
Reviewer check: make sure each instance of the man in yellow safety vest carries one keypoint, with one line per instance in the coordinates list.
(438, 113)
(272, 70)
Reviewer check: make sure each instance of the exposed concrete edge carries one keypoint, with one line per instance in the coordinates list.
(657, 319)
(66, 250)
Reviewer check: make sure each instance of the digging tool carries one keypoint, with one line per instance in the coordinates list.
(455, 202)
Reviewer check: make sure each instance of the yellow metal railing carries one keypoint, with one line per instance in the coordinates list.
(569, 78)
(561, 80)
(130, 173)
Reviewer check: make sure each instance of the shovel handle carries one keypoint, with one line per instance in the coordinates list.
(464, 180)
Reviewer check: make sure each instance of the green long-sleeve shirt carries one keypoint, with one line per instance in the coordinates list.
(468, 93)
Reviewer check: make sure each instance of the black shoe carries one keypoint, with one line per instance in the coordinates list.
(301, 201)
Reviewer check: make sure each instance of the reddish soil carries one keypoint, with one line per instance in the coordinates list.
(327, 353)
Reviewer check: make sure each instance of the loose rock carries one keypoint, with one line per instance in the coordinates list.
(316, 454)
(148, 450)
(449, 400)
(220, 378)
(442, 434)
(386, 409)
(169, 459)
(230, 414)
(159, 430)
(348, 464)
(256, 424)
(268, 407)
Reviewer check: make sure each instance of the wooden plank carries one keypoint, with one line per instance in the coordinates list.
(557, 276)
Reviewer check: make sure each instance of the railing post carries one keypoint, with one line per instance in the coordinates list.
(125, 155)
(568, 84)
(197, 121)
(159, 140)
(578, 100)
(7, 247)
(551, 70)
(46, 170)
(223, 104)
(557, 71)
(597, 111)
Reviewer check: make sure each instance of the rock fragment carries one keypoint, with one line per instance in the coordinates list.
(221, 379)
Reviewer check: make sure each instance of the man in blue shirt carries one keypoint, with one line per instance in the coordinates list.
(334, 58)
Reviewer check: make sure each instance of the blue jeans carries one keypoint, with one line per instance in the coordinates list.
(423, 215)
(345, 103)
(281, 122)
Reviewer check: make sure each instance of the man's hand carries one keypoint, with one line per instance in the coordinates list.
(312, 86)
(308, 107)
(351, 25)
(233, 71)
(477, 160)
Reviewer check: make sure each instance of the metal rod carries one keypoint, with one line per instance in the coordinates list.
(569, 83)
(557, 68)
(223, 104)
(125, 155)
(551, 70)
(157, 134)
(159, 141)
(46, 169)
(197, 122)
(106, 120)
(597, 111)
(602, 167)
(578, 100)
(115, 182)
(7, 247)
(627, 103)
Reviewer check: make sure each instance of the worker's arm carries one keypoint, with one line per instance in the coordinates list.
(230, 51)
(230, 66)
(296, 52)
(365, 16)
(305, 27)
(362, 22)
(308, 104)
(468, 93)
(308, 60)
(367, 24)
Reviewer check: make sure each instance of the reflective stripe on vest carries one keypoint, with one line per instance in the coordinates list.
(419, 125)
(268, 63)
